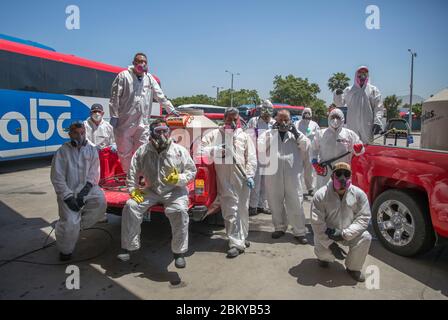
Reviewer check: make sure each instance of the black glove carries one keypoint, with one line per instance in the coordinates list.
(377, 129)
(72, 203)
(334, 234)
(294, 131)
(337, 251)
(84, 191)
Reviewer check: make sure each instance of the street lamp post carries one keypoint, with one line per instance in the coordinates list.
(217, 92)
(231, 86)
(413, 55)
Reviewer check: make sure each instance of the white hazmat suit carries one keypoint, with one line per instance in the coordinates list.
(131, 102)
(351, 215)
(364, 108)
(232, 187)
(256, 126)
(71, 169)
(101, 135)
(330, 143)
(155, 167)
(309, 128)
(284, 187)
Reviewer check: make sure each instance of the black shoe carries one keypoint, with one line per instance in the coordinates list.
(277, 234)
(234, 252)
(323, 264)
(247, 243)
(301, 239)
(179, 261)
(252, 211)
(65, 257)
(310, 193)
(356, 275)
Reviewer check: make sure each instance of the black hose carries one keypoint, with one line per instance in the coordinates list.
(45, 246)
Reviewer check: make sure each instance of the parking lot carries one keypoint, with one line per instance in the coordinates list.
(269, 269)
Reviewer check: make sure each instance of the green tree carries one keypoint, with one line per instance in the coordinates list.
(319, 109)
(391, 103)
(197, 99)
(417, 109)
(240, 97)
(338, 80)
(294, 90)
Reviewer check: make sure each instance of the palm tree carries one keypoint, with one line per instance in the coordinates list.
(339, 80)
(391, 103)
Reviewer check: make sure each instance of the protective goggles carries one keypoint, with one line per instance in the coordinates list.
(161, 130)
(340, 173)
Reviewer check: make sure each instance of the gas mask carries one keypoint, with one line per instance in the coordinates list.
(160, 137)
(141, 68)
(342, 180)
(78, 141)
(97, 117)
(362, 77)
(265, 113)
(306, 116)
(283, 126)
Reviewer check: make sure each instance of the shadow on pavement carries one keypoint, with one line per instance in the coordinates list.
(308, 273)
(25, 164)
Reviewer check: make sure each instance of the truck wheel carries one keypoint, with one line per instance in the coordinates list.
(402, 222)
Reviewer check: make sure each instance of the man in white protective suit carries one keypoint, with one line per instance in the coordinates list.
(364, 106)
(235, 159)
(334, 142)
(133, 91)
(286, 145)
(340, 215)
(309, 128)
(167, 168)
(255, 127)
(75, 173)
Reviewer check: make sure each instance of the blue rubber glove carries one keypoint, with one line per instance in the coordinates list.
(113, 122)
(250, 183)
(113, 148)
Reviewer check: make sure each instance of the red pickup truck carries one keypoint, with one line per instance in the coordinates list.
(408, 192)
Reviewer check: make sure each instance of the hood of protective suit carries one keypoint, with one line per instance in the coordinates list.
(308, 110)
(356, 77)
(267, 104)
(338, 112)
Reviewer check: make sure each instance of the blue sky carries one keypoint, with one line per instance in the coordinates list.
(191, 43)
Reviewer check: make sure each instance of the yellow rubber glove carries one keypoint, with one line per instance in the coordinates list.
(137, 196)
(173, 177)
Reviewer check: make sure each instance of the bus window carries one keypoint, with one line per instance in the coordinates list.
(24, 72)
(65, 78)
(104, 83)
(4, 66)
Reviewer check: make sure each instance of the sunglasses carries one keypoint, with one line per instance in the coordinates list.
(340, 173)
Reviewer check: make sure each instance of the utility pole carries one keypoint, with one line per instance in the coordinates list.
(231, 86)
(217, 92)
(413, 55)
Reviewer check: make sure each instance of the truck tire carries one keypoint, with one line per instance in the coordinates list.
(402, 222)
